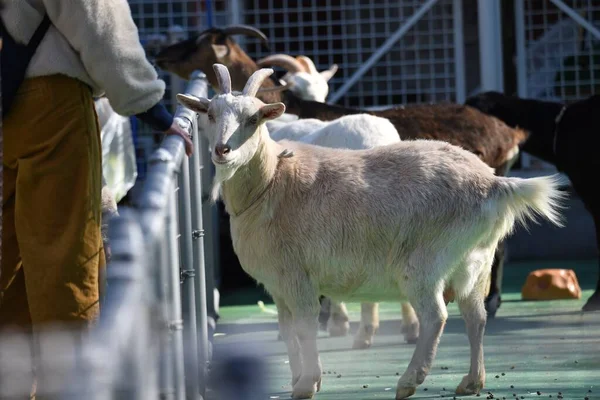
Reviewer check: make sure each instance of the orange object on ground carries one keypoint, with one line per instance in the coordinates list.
(551, 284)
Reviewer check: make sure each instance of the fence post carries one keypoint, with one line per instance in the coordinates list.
(489, 40)
(203, 290)
(459, 52)
(188, 295)
(175, 320)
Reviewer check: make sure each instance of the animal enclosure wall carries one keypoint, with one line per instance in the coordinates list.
(558, 53)
(421, 67)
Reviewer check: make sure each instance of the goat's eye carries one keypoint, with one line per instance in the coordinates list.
(211, 118)
(253, 120)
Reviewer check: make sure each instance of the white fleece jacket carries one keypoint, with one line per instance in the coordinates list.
(95, 41)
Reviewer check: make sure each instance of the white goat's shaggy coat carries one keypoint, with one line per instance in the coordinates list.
(356, 132)
(403, 221)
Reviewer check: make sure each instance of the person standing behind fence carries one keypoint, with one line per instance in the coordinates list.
(51, 242)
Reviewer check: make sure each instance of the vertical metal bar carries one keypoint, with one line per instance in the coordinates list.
(175, 322)
(235, 17)
(210, 219)
(487, 45)
(520, 44)
(498, 47)
(521, 63)
(209, 13)
(188, 296)
(381, 51)
(167, 389)
(203, 294)
(459, 53)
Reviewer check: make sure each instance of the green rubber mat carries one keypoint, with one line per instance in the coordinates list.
(549, 347)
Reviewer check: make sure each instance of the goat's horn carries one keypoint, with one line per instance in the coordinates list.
(223, 78)
(240, 29)
(255, 80)
(308, 64)
(280, 88)
(283, 61)
(200, 37)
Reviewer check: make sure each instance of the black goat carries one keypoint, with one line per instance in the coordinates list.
(565, 135)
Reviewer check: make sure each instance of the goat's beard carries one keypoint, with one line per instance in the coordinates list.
(222, 174)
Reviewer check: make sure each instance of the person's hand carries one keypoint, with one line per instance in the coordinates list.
(177, 130)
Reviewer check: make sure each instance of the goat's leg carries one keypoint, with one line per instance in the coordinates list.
(305, 318)
(288, 335)
(494, 298)
(338, 323)
(369, 323)
(410, 323)
(432, 314)
(474, 314)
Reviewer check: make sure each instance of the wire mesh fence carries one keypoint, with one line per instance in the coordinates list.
(419, 68)
(562, 56)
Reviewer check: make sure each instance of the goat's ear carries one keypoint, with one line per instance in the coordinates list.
(328, 73)
(220, 50)
(197, 104)
(271, 111)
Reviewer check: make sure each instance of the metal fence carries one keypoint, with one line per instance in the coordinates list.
(151, 340)
(389, 52)
(418, 45)
(557, 53)
(558, 48)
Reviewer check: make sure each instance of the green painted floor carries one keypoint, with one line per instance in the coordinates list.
(548, 346)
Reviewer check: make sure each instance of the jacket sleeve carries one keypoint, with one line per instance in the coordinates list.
(105, 36)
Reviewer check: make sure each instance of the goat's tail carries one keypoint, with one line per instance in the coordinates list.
(527, 199)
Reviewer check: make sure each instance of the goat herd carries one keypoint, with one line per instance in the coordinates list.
(407, 203)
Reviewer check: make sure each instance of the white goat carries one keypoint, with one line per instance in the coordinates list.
(414, 220)
(302, 77)
(362, 131)
(355, 132)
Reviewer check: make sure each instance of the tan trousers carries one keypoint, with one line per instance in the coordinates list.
(51, 242)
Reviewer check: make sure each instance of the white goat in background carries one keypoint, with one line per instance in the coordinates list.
(302, 77)
(413, 220)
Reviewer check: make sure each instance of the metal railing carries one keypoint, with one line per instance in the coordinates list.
(151, 339)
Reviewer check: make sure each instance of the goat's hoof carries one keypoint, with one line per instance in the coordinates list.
(405, 392)
(305, 388)
(593, 303)
(411, 332)
(363, 339)
(470, 385)
(337, 327)
(492, 304)
(361, 344)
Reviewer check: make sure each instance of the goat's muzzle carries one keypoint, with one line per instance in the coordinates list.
(222, 150)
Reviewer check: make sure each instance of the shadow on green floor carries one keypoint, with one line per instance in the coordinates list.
(242, 304)
(533, 349)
